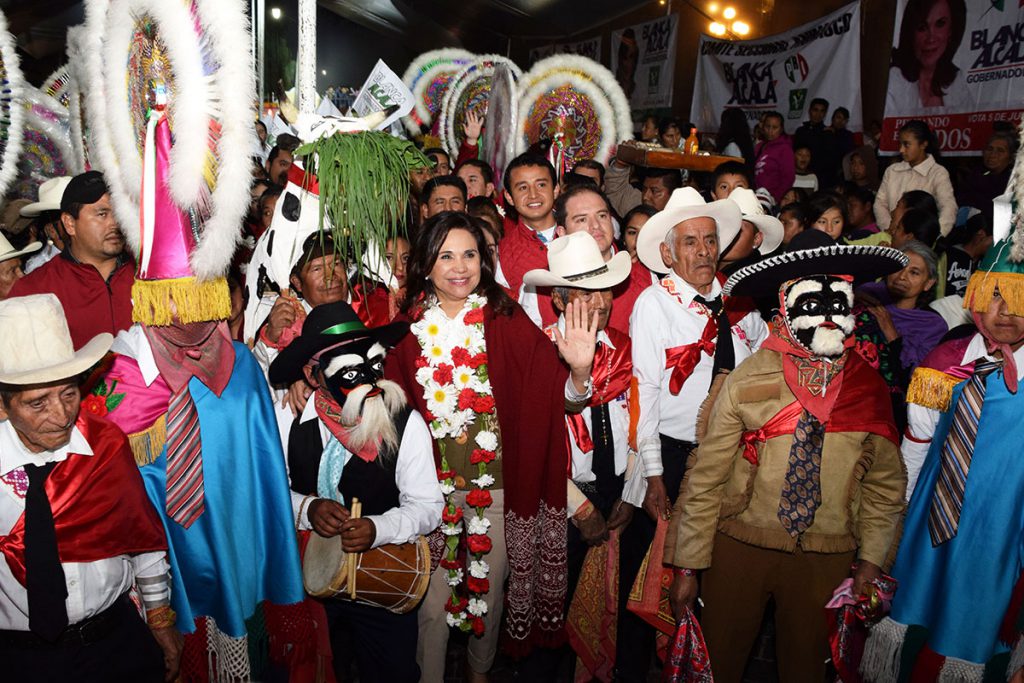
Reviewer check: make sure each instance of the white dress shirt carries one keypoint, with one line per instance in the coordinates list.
(42, 257)
(660, 322)
(92, 586)
(420, 500)
(922, 421)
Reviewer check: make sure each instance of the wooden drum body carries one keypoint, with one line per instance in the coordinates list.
(394, 577)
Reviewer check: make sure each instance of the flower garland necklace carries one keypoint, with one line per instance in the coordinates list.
(453, 373)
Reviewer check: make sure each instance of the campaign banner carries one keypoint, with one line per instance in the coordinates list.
(587, 48)
(782, 73)
(383, 89)
(644, 61)
(957, 65)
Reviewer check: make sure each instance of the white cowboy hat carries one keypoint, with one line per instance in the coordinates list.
(35, 344)
(50, 194)
(753, 211)
(8, 252)
(575, 261)
(684, 204)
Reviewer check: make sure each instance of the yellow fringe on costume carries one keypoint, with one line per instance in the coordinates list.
(194, 301)
(983, 284)
(931, 388)
(149, 443)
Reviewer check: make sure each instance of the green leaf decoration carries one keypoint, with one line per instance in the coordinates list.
(114, 400)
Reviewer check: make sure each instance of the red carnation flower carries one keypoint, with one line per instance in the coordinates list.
(478, 360)
(445, 474)
(479, 498)
(868, 351)
(455, 607)
(474, 316)
(460, 356)
(483, 403)
(478, 626)
(479, 543)
(97, 405)
(476, 585)
(420, 362)
(450, 564)
(452, 517)
(443, 374)
(467, 398)
(479, 455)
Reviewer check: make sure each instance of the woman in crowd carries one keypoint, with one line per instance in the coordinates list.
(631, 225)
(826, 211)
(895, 329)
(733, 137)
(919, 170)
(860, 211)
(500, 448)
(984, 184)
(774, 169)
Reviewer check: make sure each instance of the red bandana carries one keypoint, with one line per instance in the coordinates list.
(329, 412)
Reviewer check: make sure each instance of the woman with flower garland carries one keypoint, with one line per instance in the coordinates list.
(493, 391)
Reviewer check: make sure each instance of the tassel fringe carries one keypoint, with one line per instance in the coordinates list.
(931, 388)
(960, 671)
(881, 660)
(982, 286)
(148, 444)
(194, 301)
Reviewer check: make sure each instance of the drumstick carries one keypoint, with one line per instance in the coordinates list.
(356, 511)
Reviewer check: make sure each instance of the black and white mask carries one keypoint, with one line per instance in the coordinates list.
(818, 313)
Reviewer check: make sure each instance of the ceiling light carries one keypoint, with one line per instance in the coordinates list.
(740, 28)
(729, 13)
(275, 12)
(717, 29)
(323, 72)
(713, 7)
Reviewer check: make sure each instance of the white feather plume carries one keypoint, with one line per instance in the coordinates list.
(9, 55)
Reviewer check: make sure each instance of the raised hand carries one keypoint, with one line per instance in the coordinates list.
(472, 127)
(578, 344)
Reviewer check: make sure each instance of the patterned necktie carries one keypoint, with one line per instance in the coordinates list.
(44, 575)
(801, 491)
(944, 516)
(184, 460)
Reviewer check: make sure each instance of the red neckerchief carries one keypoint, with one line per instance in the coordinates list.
(99, 503)
(329, 412)
(213, 366)
(991, 345)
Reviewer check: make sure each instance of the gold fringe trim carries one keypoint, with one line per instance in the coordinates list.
(931, 388)
(983, 284)
(148, 444)
(194, 301)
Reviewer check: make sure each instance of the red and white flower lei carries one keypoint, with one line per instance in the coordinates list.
(453, 373)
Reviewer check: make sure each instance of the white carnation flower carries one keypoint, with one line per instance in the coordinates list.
(479, 569)
(478, 525)
(451, 529)
(454, 577)
(453, 621)
(487, 440)
(447, 488)
(477, 607)
(442, 401)
(484, 481)
(425, 378)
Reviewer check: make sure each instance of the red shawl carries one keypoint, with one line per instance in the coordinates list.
(100, 507)
(528, 381)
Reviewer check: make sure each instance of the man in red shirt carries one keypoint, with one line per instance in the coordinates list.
(93, 276)
(531, 189)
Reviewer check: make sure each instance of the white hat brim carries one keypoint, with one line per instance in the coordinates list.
(83, 359)
(618, 269)
(35, 208)
(771, 229)
(724, 212)
(29, 248)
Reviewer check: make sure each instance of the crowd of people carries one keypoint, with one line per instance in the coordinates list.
(749, 386)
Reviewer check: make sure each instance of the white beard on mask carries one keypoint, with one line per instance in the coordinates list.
(824, 342)
(372, 419)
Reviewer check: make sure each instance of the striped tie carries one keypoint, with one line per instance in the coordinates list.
(944, 517)
(184, 460)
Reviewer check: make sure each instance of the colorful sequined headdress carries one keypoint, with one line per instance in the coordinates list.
(469, 90)
(191, 58)
(46, 150)
(427, 78)
(577, 105)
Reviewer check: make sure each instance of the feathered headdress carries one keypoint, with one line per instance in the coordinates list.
(12, 114)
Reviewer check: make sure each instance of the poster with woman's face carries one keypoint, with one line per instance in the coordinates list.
(957, 64)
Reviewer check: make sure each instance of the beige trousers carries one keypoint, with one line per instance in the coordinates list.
(432, 647)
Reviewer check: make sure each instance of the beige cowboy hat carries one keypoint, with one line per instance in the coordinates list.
(50, 193)
(753, 211)
(8, 252)
(684, 204)
(575, 261)
(35, 344)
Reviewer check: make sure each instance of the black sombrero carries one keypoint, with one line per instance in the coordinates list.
(812, 252)
(326, 326)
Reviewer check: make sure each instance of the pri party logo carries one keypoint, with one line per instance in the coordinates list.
(796, 68)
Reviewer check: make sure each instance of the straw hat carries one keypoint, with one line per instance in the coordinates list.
(575, 261)
(35, 344)
(684, 204)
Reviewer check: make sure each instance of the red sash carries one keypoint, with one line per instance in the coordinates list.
(683, 359)
(99, 503)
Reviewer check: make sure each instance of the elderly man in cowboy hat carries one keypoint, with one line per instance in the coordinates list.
(10, 264)
(357, 438)
(799, 474)
(76, 528)
(684, 334)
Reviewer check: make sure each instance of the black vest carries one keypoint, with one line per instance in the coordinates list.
(373, 483)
